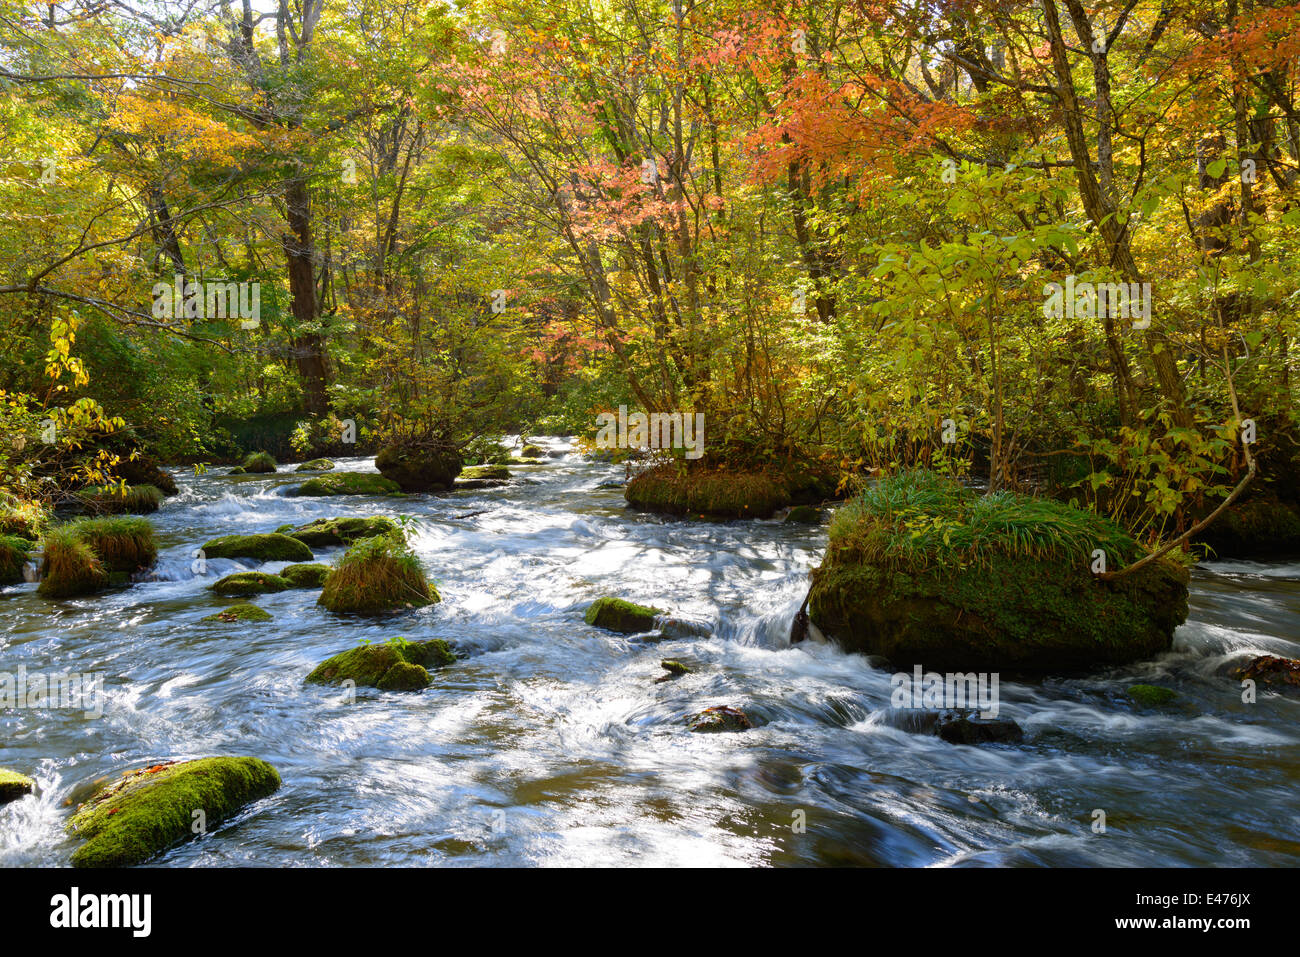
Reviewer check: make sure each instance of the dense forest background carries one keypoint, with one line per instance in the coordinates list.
(831, 227)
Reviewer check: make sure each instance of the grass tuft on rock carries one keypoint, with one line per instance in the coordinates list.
(123, 544)
(377, 574)
(13, 558)
(70, 566)
(152, 809)
(260, 463)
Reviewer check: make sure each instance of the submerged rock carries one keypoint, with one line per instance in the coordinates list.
(924, 572)
(152, 809)
(964, 727)
(616, 614)
(315, 465)
(306, 575)
(14, 785)
(250, 583)
(347, 483)
(396, 665)
(720, 718)
(263, 548)
(243, 611)
(333, 532)
(1151, 695)
(1276, 674)
(804, 515)
(417, 467)
(377, 574)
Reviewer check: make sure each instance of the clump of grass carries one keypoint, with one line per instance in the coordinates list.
(133, 499)
(70, 566)
(377, 574)
(260, 462)
(122, 544)
(913, 520)
(13, 558)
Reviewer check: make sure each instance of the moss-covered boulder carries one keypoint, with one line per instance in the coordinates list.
(150, 810)
(243, 611)
(69, 566)
(260, 463)
(238, 470)
(419, 466)
(14, 785)
(396, 665)
(377, 575)
(263, 548)
(1152, 695)
(123, 544)
(710, 492)
(249, 583)
(532, 451)
(476, 472)
(14, 552)
(110, 500)
(1262, 526)
(316, 465)
(804, 515)
(335, 532)
(305, 575)
(925, 572)
(348, 483)
(143, 469)
(615, 614)
(720, 718)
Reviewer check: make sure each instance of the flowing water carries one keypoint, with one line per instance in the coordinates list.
(550, 743)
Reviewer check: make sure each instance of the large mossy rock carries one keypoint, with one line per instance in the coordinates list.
(1262, 526)
(242, 611)
(263, 548)
(316, 465)
(397, 665)
(335, 532)
(376, 575)
(153, 809)
(419, 467)
(348, 483)
(924, 572)
(616, 614)
(723, 493)
(305, 575)
(250, 583)
(260, 463)
(14, 785)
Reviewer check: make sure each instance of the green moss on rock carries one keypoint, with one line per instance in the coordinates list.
(243, 611)
(249, 583)
(1151, 695)
(922, 571)
(720, 718)
(260, 463)
(532, 452)
(419, 466)
(348, 483)
(396, 665)
(334, 532)
(315, 465)
(804, 515)
(262, 548)
(14, 785)
(305, 575)
(153, 809)
(721, 493)
(375, 575)
(616, 614)
(474, 473)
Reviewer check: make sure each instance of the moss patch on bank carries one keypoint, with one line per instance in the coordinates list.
(723, 493)
(133, 500)
(152, 809)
